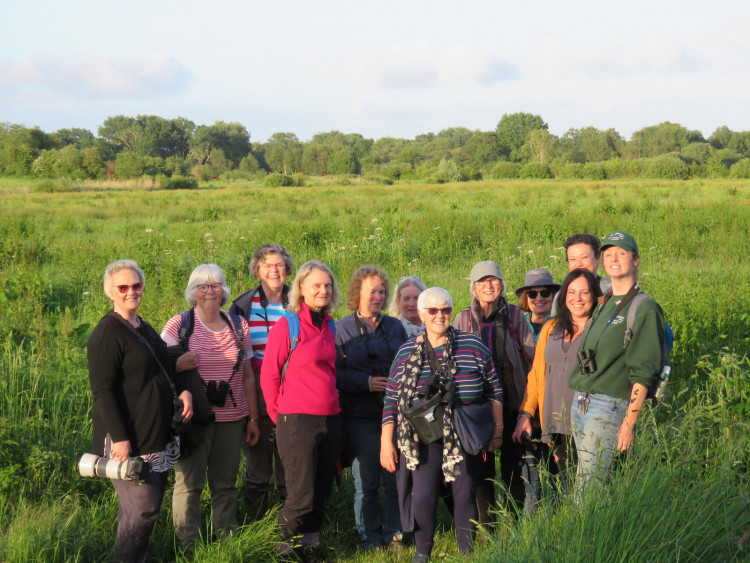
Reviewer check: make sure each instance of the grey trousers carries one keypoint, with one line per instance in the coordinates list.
(218, 458)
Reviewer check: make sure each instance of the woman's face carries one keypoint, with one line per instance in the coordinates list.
(371, 296)
(436, 317)
(619, 263)
(272, 271)
(539, 305)
(208, 295)
(488, 290)
(126, 292)
(579, 299)
(407, 304)
(316, 290)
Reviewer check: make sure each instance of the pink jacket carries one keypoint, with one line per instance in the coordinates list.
(310, 382)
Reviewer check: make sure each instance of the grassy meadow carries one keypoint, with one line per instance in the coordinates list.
(682, 495)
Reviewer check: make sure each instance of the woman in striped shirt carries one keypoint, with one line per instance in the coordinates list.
(222, 358)
(465, 359)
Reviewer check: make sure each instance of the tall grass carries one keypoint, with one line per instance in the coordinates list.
(682, 494)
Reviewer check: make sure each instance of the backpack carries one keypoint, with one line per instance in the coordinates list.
(658, 388)
(292, 321)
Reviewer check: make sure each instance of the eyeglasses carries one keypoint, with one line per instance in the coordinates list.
(204, 287)
(433, 311)
(124, 288)
(544, 293)
(487, 281)
(279, 266)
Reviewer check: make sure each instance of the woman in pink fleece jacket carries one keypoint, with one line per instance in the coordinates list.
(305, 404)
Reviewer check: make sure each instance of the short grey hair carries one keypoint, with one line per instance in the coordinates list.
(270, 248)
(436, 294)
(205, 273)
(295, 294)
(118, 266)
(404, 282)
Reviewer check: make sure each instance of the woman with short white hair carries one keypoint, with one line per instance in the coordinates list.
(219, 348)
(404, 304)
(441, 358)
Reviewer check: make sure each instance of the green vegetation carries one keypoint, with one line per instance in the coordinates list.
(682, 495)
(520, 146)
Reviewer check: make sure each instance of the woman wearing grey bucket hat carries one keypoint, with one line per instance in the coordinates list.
(535, 298)
(509, 336)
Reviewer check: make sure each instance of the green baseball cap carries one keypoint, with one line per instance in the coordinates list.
(620, 240)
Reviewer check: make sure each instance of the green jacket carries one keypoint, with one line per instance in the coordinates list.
(617, 368)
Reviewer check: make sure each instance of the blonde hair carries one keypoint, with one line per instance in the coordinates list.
(407, 281)
(118, 266)
(295, 293)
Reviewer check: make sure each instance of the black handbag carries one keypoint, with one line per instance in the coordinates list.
(474, 425)
(426, 418)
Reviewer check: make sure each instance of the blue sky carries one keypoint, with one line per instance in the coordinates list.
(391, 68)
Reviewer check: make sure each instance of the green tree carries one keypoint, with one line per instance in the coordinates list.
(231, 138)
(79, 138)
(148, 135)
(513, 130)
(314, 158)
(20, 146)
(540, 146)
(343, 162)
(480, 150)
(591, 145)
(720, 138)
(661, 139)
(283, 153)
(129, 164)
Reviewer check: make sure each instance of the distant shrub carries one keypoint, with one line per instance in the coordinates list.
(390, 171)
(534, 170)
(667, 167)
(299, 179)
(594, 171)
(276, 180)
(740, 169)
(569, 171)
(505, 169)
(182, 183)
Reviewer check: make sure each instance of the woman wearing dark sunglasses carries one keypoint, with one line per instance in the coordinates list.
(535, 298)
(447, 358)
(131, 379)
(366, 342)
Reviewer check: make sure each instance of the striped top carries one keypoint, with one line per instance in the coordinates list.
(475, 376)
(261, 321)
(217, 354)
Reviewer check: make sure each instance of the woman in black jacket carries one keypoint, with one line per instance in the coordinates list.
(134, 406)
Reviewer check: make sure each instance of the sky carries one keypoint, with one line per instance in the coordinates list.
(395, 68)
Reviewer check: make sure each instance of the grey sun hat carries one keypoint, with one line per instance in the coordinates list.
(537, 278)
(482, 270)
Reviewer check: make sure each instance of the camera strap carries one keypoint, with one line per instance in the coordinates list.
(142, 339)
(629, 296)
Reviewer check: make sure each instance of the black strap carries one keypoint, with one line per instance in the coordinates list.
(186, 331)
(142, 339)
(436, 367)
(632, 292)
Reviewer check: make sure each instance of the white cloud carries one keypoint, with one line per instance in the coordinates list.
(39, 78)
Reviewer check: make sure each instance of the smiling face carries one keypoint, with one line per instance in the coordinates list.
(581, 255)
(407, 304)
(208, 295)
(436, 316)
(371, 296)
(488, 290)
(316, 290)
(579, 299)
(272, 272)
(126, 304)
(539, 306)
(620, 263)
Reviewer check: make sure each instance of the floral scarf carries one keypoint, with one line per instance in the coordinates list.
(408, 441)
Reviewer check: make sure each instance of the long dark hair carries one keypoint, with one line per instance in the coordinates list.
(564, 320)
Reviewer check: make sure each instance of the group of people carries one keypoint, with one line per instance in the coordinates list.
(303, 395)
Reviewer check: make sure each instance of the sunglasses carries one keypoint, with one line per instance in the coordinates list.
(544, 293)
(433, 311)
(124, 288)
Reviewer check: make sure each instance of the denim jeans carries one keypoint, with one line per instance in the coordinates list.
(532, 485)
(596, 422)
(364, 443)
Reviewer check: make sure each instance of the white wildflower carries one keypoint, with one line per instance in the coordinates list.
(149, 230)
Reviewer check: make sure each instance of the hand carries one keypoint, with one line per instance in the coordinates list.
(121, 450)
(187, 405)
(378, 384)
(523, 425)
(497, 439)
(388, 456)
(186, 362)
(253, 432)
(625, 437)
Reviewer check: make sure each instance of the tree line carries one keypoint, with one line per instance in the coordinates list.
(521, 146)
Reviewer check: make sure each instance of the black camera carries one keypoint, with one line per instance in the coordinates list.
(91, 465)
(438, 384)
(587, 361)
(176, 423)
(217, 394)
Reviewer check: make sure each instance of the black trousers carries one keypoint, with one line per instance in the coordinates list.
(309, 447)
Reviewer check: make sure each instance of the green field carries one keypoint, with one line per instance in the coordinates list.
(683, 494)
